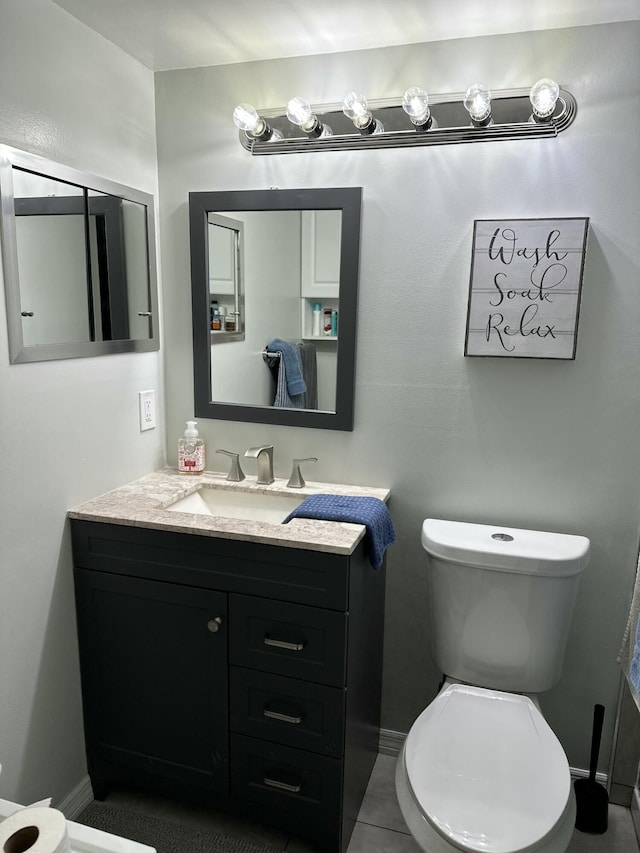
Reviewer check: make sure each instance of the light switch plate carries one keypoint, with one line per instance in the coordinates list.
(147, 403)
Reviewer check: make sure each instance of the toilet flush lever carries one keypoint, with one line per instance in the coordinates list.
(296, 480)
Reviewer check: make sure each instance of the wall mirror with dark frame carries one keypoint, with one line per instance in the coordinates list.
(78, 257)
(286, 269)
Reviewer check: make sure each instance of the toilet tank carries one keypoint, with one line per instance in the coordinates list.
(500, 602)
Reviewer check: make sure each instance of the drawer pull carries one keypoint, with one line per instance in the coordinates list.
(283, 644)
(282, 786)
(284, 718)
(214, 624)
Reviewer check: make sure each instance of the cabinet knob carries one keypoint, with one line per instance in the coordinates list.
(214, 624)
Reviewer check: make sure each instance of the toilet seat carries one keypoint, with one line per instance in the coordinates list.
(486, 771)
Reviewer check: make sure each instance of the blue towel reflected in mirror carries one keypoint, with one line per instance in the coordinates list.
(294, 369)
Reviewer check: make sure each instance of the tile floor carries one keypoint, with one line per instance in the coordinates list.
(380, 827)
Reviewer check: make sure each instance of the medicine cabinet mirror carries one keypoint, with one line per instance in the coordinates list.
(226, 270)
(270, 265)
(78, 257)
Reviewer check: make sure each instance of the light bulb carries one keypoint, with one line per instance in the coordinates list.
(246, 118)
(415, 103)
(355, 107)
(543, 97)
(300, 112)
(477, 102)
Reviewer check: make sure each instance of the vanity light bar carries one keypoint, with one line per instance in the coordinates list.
(476, 115)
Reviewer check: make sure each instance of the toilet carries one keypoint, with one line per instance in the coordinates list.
(480, 769)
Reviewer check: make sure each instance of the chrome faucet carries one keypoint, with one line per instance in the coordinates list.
(264, 454)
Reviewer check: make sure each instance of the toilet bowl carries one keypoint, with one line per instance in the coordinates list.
(481, 770)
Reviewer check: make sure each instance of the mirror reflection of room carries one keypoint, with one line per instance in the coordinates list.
(70, 293)
(226, 270)
(51, 258)
(291, 274)
(79, 277)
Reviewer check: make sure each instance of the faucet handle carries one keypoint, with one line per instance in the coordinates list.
(296, 480)
(236, 474)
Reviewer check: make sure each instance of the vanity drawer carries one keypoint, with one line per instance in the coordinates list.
(286, 778)
(287, 574)
(288, 639)
(296, 713)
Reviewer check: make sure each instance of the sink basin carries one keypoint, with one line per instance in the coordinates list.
(227, 503)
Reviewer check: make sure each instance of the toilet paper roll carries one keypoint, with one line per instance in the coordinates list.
(34, 831)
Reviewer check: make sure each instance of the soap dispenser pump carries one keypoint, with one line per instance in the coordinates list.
(191, 451)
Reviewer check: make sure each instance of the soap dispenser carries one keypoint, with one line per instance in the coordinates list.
(191, 451)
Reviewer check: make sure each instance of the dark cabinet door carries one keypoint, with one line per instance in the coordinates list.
(154, 673)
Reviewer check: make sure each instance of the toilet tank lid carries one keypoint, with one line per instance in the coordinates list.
(510, 549)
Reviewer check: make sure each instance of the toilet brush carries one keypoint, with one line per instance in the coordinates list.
(592, 800)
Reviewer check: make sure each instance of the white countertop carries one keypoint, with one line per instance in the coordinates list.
(143, 503)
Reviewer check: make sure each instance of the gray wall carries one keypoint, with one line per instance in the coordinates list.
(68, 429)
(547, 445)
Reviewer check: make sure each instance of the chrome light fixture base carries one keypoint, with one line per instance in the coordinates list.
(510, 113)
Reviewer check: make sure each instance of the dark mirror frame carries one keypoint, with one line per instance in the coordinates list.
(18, 352)
(346, 199)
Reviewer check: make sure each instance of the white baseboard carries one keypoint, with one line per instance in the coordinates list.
(579, 773)
(390, 743)
(77, 800)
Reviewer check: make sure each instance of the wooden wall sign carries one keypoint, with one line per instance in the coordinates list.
(524, 292)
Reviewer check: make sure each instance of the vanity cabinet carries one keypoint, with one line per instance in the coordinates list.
(148, 642)
(238, 675)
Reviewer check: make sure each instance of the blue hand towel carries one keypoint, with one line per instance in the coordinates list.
(372, 512)
(282, 399)
(291, 365)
